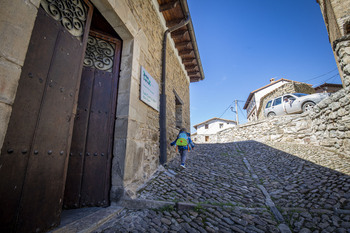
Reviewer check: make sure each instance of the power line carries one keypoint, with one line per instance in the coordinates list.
(327, 79)
(227, 109)
(240, 109)
(321, 75)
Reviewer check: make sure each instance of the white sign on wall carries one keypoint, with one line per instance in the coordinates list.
(149, 90)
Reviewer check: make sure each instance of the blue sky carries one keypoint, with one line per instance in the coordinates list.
(243, 44)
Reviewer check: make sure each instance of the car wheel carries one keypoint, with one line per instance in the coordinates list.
(271, 114)
(307, 106)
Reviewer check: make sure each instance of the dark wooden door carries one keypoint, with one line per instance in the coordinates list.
(88, 177)
(33, 159)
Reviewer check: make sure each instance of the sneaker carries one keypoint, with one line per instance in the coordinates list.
(182, 165)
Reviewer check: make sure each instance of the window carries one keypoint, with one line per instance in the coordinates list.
(268, 104)
(277, 101)
(221, 126)
(206, 126)
(207, 138)
(178, 111)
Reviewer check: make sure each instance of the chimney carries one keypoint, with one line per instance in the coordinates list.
(272, 80)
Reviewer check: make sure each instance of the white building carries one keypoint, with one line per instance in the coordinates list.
(206, 131)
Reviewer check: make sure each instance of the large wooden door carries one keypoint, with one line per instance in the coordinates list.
(88, 177)
(33, 160)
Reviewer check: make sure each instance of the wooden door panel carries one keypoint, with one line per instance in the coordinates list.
(93, 133)
(97, 145)
(46, 170)
(77, 152)
(17, 145)
(33, 161)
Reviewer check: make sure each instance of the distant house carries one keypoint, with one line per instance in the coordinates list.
(207, 130)
(254, 103)
(328, 87)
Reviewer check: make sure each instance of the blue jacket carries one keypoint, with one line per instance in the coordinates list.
(188, 147)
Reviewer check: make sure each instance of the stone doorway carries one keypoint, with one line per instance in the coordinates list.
(89, 170)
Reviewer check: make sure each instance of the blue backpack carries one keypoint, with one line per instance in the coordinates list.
(182, 139)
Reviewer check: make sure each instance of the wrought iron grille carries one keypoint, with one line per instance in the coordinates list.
(71, 13)
(99, 54)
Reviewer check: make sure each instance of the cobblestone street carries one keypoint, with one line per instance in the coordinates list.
(246, 187)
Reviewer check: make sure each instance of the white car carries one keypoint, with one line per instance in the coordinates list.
(292, 103)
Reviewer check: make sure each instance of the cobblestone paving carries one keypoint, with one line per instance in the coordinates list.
(247, 187)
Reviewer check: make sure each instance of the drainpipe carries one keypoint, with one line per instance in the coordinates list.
(162, 111)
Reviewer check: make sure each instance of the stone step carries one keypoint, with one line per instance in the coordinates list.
(91, 222)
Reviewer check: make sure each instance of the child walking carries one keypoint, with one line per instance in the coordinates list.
(184, 143)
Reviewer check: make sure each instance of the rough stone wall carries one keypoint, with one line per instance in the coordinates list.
(142, 123)
(329, 16)
(177, 82)
(284, 89)
(336, 15)
(342, 13)
(16, 24)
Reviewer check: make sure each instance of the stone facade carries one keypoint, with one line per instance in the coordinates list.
(140, 123)
(293, 87)
(141, 26)
(336, 15)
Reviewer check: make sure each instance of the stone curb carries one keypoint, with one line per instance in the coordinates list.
(91, 222)
(145, 204)
(152, 204)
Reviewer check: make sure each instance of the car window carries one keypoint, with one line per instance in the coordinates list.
(288, 98)
(277, 101)
(268, 104)
(299, 94)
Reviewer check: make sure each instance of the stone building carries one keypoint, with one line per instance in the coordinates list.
(328, 87)
(336, 15)
(81, 119)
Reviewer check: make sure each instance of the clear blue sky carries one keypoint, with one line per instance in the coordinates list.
(243, 44)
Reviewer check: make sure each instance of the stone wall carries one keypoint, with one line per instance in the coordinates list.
(336, 15)
(293, 87)
(136, 149)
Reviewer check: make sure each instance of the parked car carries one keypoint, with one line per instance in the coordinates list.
(292, 103)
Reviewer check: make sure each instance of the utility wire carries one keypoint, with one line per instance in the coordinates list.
(328, 79)
(320, 75)
(226, 109)
(240, 109)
